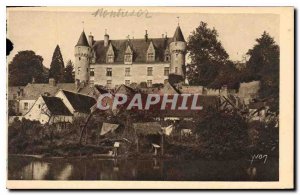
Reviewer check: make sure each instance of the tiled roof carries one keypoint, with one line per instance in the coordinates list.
(82, 40)
(139, 47)
(178, 36)
(56, 106)
(81, 103)
(33, 90)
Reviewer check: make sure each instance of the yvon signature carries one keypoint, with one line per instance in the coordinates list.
(258, 157)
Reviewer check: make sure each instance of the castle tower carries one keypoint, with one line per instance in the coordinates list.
(83, 55)
(178, 51)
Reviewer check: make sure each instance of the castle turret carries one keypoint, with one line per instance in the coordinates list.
(178, 51)
(83, 55)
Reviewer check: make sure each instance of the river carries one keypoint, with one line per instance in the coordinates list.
(28, 168)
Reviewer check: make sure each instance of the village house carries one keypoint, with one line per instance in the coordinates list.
(78, 104)
(49, 110)
(15, 93)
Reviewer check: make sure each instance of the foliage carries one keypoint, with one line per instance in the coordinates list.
(223, 133)
(174, 78)
(21, 134)
(263, 65)
(25, 66)
(57, 65)
(207, 55)
(68, 73)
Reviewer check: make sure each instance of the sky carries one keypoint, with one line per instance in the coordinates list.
(41, 30)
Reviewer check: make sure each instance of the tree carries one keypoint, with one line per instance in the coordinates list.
(263, 65)
(25, 66)
(68, 73)
(57, 66)
(174, 79)
(207, 55)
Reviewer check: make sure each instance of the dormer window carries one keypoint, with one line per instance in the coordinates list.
(167, 57)
(110, 55)
(151, 53)
(128, 55)
(110, 58)
(150, 57)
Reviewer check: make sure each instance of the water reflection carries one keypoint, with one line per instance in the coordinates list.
(21, 168)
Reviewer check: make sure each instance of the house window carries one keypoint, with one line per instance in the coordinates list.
(109, 72)
(149, 71)
(128, 58)
(127, 71)
(39, 106)
(92, 73)
(150, 57)
(176, 70)
(149, 83)
(26, 105)
(110, 58)
(166, 71)
(108, 82)
(127, 82)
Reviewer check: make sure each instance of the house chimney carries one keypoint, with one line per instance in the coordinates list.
(91, 39)
(146, 36)
(52, 82)
(106, 38)
(33, 80)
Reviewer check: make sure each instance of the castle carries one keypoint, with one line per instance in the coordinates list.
(114, 62)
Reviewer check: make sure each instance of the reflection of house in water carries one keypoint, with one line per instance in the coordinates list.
(35, 171)
(65, 173)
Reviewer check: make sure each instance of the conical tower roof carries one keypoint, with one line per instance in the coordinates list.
(82, 40)
(178, 36)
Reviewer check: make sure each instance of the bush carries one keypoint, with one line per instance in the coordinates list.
(223, 134)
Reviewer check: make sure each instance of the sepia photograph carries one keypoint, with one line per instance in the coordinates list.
(162, 95)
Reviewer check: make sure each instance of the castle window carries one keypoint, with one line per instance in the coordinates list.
(149, 71)
(166, 81)
(110, 58)
(150, 57)
(149, 83)
(79, 58)
(127, 71)
(78, 69)
(166, 71)
(109, 72)
(92, 73)
(176, 70)
(128, 58)
(108, 82)
(127, 82)
(167, 57)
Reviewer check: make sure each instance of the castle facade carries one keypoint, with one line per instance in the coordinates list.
(114, 62)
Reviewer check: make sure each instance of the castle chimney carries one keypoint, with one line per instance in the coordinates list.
(146, 36)
(106, 38)
(91, 40)
(52, 82)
